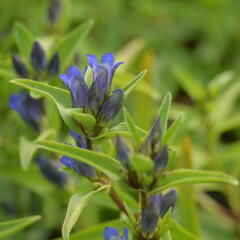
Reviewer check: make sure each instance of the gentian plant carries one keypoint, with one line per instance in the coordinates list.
(134, 169)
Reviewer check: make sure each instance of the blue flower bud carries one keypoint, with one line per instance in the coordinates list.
(113, 234)
(80, 141)
(82, 169)
(30, 109)
(38, 57)
(150, 214)
(74, 79)
(122, 152)
(161, 159)
(154, 136)
(169, 200)
(54, 65)
(50, 169)
(112, 105)
(19, 67)
(54, 9)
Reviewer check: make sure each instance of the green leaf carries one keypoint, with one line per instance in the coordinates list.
(191, 176)
(172, 130)
(60, 97)
(164, 111)
(125, 196)
(179, 233)
(31, 179)
(69, 44)
(24, 40)
(103, 162)
(132, 128)
(75, 207)
(219, 82)
(131, 215)
(27, 148)
(192, 86)
(109, 135)
(8, 228)
(26, 152)
(95, 232)
(87, 120)
(225, 103)
(131, 85)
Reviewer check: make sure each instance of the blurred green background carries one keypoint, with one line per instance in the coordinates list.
(190, 47)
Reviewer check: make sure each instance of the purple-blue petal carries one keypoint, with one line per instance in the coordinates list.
(111, 233)
(101, 78)
(80, 140)
(112, 71)
(65, 79)
(66, 161)
(125, 234)
(108, 59)
(92, 60)
(81, 168)
(79, 93)
(74, 71)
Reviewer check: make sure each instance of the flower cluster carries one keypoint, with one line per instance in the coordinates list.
(158, 206)
(39, 63)
(96, 98)
(152, 155)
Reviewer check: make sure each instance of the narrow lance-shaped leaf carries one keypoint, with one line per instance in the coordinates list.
(192, 86)
(191, 176)
(75, 207)
(24, 39)
(102, 162)
(172, 130)
(178, 232)
(27, 148)
(69, 45)
(130, 86)
(132, 128)
(164, 111)
(11, 227)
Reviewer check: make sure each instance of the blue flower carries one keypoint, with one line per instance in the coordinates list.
(50, 169)
(112, 105)
(161, 159)
(113, 234)
(19, 67)
(154, 136)
(54, 65)
(96, 97)
(150, 214)
(169, 201)
(74, 80)
(122, 152)
(103, 72)
(30, 109)
(81, 168)
(158, 206)
(38, 57)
